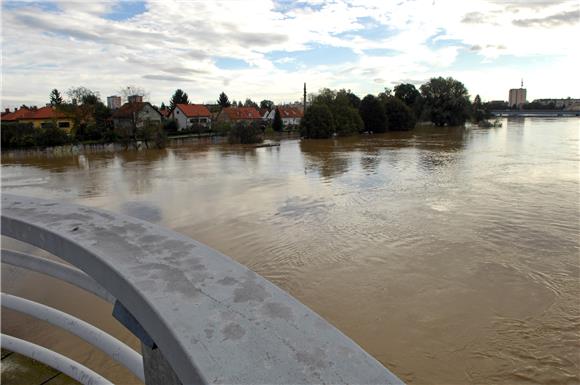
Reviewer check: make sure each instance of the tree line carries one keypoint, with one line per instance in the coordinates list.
(442, 101)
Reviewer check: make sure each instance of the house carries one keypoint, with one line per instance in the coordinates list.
(40, 117)
(188, 115)
(239, 114)
(291, 116)
(135, 115)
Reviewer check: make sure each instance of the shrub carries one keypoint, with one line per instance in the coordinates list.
(245, 133)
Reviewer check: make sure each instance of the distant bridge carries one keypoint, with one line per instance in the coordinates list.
(534, 113)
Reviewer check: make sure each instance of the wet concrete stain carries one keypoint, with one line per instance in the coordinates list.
(278, 310)
(250, 290)
(233, 331)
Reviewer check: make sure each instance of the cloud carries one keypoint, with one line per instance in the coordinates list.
(563, 18)
(166, 78)
(359, 44)
(476, 18)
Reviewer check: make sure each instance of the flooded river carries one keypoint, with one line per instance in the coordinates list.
(449, 254)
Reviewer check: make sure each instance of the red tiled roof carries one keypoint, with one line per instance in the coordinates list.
(242, 113)
(194, 110)
(290, 112)
(41, 113)
(13, 116)
(126, 111)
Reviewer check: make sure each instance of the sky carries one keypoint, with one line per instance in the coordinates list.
(264, 49)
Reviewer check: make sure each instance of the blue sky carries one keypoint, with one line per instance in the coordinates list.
(267, 49)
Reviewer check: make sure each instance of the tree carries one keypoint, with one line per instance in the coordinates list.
(347, 121)
(163, 106)
(373, 115)
(399, 116)
(82, 95)
(240, 104)
(133, 90)
(407, 93)
(179, 97)
(268, 104)
(317, 122)
(446, 101)
(55, 98)
(277, 124)
(223, 100)
(250, 103)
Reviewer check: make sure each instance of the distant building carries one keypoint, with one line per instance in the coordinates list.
(135, 99)
(558, 103)
(517, 97)
(114, 102)
(188, 115)
(239, 114)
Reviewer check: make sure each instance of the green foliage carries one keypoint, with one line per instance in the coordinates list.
(222, 128)
(51, 136)
(479, 112)
(347, 121)
(277, 124)
(496, 105)
(399, 116)
(223, 100)
(245, 133)
(341, 104)
(170, 126)
(317, 122)
(446, 101)
(55, 98)
(372, 112)
(407, 93)
(179, 97)
(17, 134)
(268, 104)
(250, 103)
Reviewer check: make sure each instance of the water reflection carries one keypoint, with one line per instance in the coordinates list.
(326, 157)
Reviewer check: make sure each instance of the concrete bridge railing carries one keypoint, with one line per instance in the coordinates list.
(200, 316)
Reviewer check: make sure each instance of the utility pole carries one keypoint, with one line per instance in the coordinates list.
(304, 97)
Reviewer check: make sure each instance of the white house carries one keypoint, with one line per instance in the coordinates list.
(188, 115)
(291, 116)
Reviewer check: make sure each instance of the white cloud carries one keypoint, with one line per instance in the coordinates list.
(174, 44)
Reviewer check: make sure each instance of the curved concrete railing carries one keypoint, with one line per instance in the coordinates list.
(201, 317)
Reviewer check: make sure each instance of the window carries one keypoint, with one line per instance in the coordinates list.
(63, 124)
(46, 125)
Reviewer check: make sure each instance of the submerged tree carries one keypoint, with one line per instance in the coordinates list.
(446, 101)
(317, 122)
(373, 115)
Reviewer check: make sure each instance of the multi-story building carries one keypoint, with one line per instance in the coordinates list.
(517, 97)
(135, 99)
(114, 102)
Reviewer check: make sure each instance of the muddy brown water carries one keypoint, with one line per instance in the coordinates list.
(451, 255)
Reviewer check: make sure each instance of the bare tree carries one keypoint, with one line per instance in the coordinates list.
(131, 90)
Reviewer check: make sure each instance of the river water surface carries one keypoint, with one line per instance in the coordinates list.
(449, 254)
